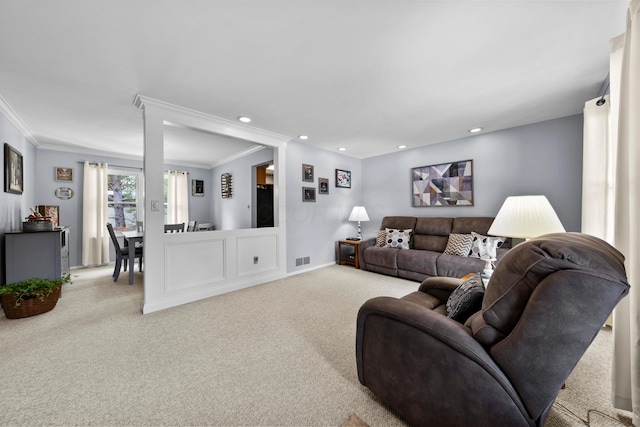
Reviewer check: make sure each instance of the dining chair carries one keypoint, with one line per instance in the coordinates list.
(191, 226)
(174, 228)
(122, 254)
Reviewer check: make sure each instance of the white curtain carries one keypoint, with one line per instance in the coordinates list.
(95, 236)
(612, 178)
(177, 197)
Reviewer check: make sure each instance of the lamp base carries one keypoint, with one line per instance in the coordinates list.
(488, 266)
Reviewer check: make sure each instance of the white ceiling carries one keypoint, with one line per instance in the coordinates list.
(366, 75)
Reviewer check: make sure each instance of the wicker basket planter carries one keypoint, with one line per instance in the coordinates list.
(30, 297)
(28, 306)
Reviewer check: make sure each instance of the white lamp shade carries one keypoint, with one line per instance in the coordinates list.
(358, 213)
(525, 217)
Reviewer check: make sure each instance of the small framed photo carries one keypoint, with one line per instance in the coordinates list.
(64, 174)
(307, 173)
(308, 194)
(323, 185)
(197, 187)
(64, 193)
(343, 178)
(13, 178)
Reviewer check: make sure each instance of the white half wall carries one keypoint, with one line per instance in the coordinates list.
(186, 267)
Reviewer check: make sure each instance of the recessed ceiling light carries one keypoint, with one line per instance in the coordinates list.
(303, 137)
(244, 119)
(475, 130)
(402, 146)
(342, 149)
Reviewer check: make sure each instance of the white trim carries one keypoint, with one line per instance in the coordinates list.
(15, 119)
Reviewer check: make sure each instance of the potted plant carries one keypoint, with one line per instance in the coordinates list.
(30, 297)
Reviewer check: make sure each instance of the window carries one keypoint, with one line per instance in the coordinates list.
(123, 193)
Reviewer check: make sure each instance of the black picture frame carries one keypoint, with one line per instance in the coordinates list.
(308, 194)
(323, 185)
(13, 170)
(444, 184)
(197, 187)
(307, 173)
(343, 178)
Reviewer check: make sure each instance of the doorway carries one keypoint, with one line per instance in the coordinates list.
(263, 212)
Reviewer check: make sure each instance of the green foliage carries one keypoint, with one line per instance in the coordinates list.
(33, 288)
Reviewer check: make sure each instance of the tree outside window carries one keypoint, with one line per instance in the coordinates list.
(122, 193)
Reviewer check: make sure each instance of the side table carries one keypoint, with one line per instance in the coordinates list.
(349, 258)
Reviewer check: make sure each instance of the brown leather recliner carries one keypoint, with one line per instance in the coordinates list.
(544, 305)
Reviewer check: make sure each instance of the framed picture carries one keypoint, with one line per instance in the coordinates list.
(343, 178)
(307, 173)
(323, 185)
(64, 174)
(308, 194)
(197, 187)
(446, 184)
(52, 212)
(13, 178)
(64, 193)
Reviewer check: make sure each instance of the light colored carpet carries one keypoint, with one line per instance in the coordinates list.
(282, 353)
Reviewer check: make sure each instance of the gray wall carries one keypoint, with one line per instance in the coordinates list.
(15, 207)
(234, 213)
(313, 228)
(542, 158)
(71, 210)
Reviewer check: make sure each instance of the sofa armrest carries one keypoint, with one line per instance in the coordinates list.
(440, 287)
(364, 244)
(422, 364)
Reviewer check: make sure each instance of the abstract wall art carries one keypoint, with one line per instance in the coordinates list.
(446, 184)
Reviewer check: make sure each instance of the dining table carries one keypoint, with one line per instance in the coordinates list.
(131, 238)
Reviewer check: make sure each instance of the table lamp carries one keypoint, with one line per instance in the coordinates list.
(522, 217)
(359, 213)
(525, 217)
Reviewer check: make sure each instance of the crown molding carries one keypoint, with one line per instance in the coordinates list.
(176, 115)
(15, 119)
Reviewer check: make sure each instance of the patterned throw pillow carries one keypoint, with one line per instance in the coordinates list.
(466, 299)
(381, 239)
(459, 244)
(398, 238)
(485, 246)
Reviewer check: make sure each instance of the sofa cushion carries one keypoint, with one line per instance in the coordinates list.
(465, 225)
(381, 239)
(481, 246)
(432, 233)
(419, 261)
(383, 257)
(459, 244)
(399, 222)
(455, 266)
(466, 299)
(397, 238)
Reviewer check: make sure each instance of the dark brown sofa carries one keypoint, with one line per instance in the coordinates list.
(544, 304)
(425, 258)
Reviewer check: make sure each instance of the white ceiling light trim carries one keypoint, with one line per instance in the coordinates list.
(244, 119)
(475, 130)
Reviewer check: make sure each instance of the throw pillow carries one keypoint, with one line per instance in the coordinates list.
(459, 244)
(485, 246)
(398, 238)
(381, 239)
(466, 299)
